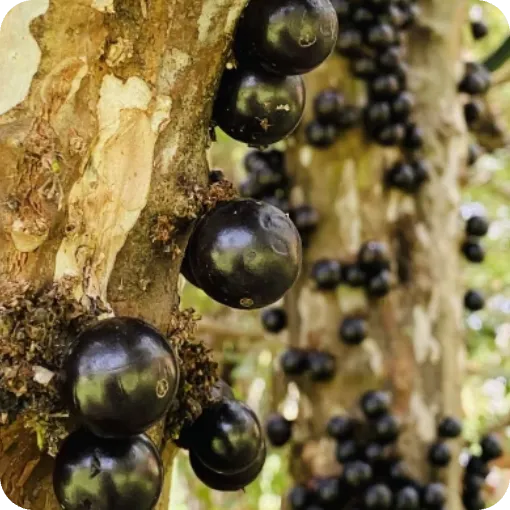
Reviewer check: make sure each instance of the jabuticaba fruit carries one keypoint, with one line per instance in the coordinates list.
(245, 254)
(257, 107)
(287, 37)
(121, 376)
(105, 474)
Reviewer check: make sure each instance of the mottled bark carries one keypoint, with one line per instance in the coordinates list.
(104, 120)
(415, 345)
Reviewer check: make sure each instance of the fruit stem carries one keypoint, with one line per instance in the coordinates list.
(498, 57)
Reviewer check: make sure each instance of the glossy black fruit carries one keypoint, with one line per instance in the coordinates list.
(362, 17)
(121, 376)
(379, 285)
(402, 106)
(472, 112)
(421, 170)
(381, 36)
(403, 177)
(294, 362)
(245, 254)
(349, 42)
(385, 86)
(227, 442)
(328, 105)
(298, 497)
(474, 300)
(473, 250)
(473, 501)
(413, 138)
(390, 58)
(373, 257)
(434, 496)
(274, 320)
(364, 67)
(306, 218)
(327, 274)
(353, 330)
(386, 429)
(373, 453)
(353, 275)
(278, 430)
(340, 427)
(476, 80)
(348, 117)
(346, 451)
(328, 492)
(320, 135)
(479, 29)
(357, 474)
(477, 466)
(321, 366)
(258, 108)
(287, 37)
(378, 497)
(105, 474)
(439, 454)
(473, 484)
(491, 447)
(375, 404)
(449, 428)
(407, 498)
(390, 135)
(477, 226)
(377, 114)
(342, 9)
(232, 480)
(216, 176)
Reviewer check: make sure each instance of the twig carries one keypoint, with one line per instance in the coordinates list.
(498, 57)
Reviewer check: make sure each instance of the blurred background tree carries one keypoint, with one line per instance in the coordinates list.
(249, 356)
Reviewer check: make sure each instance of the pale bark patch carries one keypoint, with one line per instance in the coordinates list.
(426, 347)
(104, 5)
(423, 417)
(19, 53)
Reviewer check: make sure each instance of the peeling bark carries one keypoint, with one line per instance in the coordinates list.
(104, 121)
(415, 342)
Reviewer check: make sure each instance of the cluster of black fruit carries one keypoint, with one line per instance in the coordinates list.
(370, 271)
(476, 227)
(226, 444)
(121, 377)
(261, 99)
(374, 476)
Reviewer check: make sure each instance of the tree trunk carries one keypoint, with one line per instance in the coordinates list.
(104, 120)
(415, 346)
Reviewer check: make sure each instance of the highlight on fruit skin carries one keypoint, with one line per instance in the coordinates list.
(257, 107)
(244, 254)
(121, 376)
(105, 474)
(287, 37)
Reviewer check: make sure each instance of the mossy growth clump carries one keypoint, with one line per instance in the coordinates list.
(36, 328)
(198, 374)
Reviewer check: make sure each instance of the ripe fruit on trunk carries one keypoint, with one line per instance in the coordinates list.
(245, 254)
(278, 430)
(287, 37)
(258, 108)
(121, 376)
(353, 330)
(107, 474)
(375, 404)
(274, 320)
(474, 300)
(449, 427)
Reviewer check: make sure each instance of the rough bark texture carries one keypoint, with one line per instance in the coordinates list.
(104, 121)
(415, 346)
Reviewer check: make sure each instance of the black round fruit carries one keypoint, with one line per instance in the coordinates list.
(227, 437)
(328, 105)
(413, 138)
(346, 451)
(477, 466)
(378, 497)
(390, 58)
(233, 480)
(362, 17)
(386, 429)
(403, 177)
(278, 430)
(258, 108)
(474, 300)
(349, 117)
(320, 135)
(373, 257)
(449, 428)
(385, 86)
(299, 497)
(479, 29)
(216, 176)
(121, 376)
(402, 106)
(342, 9)
(473, 250)
(491, 447)
(294, 362)
(373, 453)
(287, 37)
(379, 285)
(274, 320)
(434, 496)
(104, 474)
(306, 218)
(473, 501)
(357, 474)
(377, 114)
(328, 492)
(364, 67)
(245, 254)
(321, 366)
(390, 135)
(476, 80)
(327, 274)
(472, 484)
(375, 403)
(349, 42)
(353, 330)
(353, 275)
(407, 498)
(381, 36)
(439, 454)
(477, 226)
(340, 427)
(472, 112)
